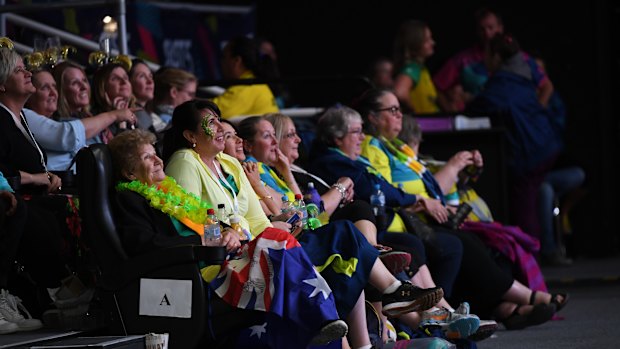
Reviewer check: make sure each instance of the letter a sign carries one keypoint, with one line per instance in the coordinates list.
(163, 297)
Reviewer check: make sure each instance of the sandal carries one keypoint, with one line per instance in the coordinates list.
(539, 314)
(554, 300)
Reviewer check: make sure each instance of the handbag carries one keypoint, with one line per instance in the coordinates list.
(415, 225)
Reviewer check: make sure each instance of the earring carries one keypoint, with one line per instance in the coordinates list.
(193, 145)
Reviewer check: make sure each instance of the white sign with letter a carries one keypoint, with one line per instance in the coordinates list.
(163, 297)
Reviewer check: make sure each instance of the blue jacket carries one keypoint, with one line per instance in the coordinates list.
(531, 135)
(331, 165)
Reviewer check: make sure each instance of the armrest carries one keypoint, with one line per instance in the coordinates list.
(148, 263)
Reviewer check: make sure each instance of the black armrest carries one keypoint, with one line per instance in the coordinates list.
(144, 264)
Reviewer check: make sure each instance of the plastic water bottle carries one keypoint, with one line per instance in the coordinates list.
(287, 206)
(312, 195)
(300, 206)
(221, 213)
(212, 232)
(377, 200)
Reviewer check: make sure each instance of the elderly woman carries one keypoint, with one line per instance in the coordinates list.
(194, 146)
(149, 224)
(480, 281)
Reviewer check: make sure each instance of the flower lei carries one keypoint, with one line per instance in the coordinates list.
(172, 199)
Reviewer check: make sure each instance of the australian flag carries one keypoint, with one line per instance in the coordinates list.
(273, 274)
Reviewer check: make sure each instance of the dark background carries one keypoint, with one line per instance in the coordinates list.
(579, 43)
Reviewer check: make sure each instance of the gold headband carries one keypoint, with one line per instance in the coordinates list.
(99, 58)
(6, 42)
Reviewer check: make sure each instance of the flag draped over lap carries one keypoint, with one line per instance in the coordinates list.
(273, 274)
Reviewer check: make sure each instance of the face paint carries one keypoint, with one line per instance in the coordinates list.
(206, 124)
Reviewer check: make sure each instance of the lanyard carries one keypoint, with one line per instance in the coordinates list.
(234, 204)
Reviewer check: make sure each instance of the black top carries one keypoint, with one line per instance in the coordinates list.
(16, 151)
(144, 228)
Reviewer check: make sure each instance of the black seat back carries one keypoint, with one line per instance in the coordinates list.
(96, 188)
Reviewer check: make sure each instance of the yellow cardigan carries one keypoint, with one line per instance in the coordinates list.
(190, 172)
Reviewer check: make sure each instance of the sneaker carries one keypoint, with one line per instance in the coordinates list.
(408, 298)
(10, 307)
(395, 261)
(7, 327)
(485, 330)
(330, 332)
(452, 324)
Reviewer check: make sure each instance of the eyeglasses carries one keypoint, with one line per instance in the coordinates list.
(290, 135)
(357, 132)
(394, 110)
(21, 69)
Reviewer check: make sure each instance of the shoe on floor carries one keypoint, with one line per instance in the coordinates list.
(408, 298)
(11, 309)
(7, 327)
(485, 330)
(395, 261)
(454, 325)
(555, 259)
(330, 332)
(539, 314)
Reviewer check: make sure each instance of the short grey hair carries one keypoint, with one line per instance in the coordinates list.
(411, 132)
(8, 63)
(334, 124)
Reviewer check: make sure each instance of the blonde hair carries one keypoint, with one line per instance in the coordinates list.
(279, 122)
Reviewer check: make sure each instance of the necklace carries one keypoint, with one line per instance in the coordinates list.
(172, 199)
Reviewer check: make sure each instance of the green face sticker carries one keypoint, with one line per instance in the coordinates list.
(206, 125)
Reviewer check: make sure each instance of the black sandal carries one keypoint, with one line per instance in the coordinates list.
(539, 314)
(554, 300)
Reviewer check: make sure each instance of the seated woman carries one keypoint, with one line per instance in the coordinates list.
(480, 281)
(398, 163)
(261, 148)
(193, 146)
(112, 91)
(46, 236)
(515, 247)
(147, 222)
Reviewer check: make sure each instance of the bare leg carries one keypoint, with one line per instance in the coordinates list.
(357, 323)
(380, 277)
(520, 294)
(368, 229)
(424, 279)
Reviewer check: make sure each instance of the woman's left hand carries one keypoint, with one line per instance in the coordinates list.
(230, 239)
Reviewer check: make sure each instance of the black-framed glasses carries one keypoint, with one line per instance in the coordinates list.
(393, 109)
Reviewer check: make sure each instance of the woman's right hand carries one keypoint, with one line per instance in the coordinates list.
(125, 115)
(281, 225)
(230, 239)
(433, 208)
(251, 171)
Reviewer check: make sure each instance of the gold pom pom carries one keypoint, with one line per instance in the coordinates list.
(6, 42)
(97, 58)
(33, 60)
(66, 50)
(123, 60)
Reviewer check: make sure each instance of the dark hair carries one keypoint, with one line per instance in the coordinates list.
(367, 104)
(99, 102)
(186, 116)
(483, 12)
(226, 121)
(247, 48)
(408, 42)
(247, 128)
(505, 45)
